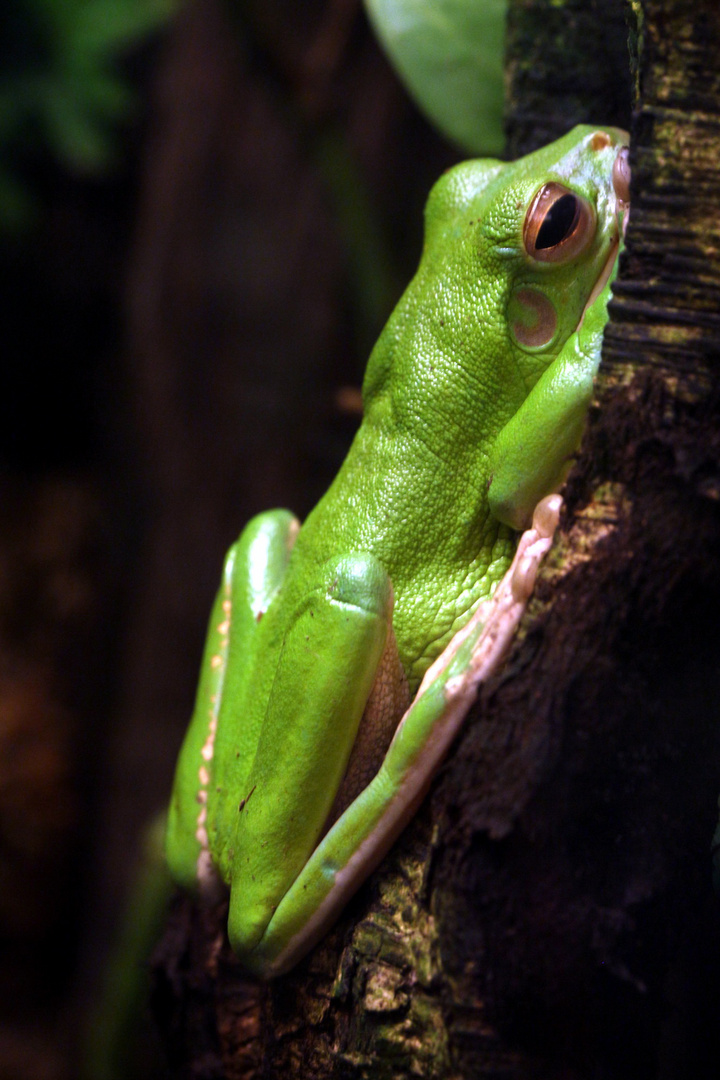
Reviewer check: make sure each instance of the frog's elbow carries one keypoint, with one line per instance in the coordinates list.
(510, 511)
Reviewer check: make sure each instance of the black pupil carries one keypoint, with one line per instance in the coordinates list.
(559, 222)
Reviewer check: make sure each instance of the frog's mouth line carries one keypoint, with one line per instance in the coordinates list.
(602, 278)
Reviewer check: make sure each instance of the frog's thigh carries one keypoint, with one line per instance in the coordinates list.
(325, 672)
(254, 568)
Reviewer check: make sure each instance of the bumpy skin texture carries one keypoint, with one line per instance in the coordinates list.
(475, 396)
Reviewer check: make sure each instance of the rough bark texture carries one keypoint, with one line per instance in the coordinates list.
(567, 63)
(576, 873)
(549, 914)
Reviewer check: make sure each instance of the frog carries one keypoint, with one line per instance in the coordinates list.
(343, 654)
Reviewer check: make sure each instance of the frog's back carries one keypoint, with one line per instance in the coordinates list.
(438, 387)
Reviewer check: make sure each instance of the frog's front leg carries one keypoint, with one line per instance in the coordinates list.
(363, 834)
(533, 452)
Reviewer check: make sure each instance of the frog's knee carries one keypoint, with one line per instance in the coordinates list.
(361, 581)
(257, 560)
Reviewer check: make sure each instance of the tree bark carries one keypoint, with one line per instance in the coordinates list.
(549, 913)
(577, 873)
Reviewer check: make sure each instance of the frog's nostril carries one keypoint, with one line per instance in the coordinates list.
(621, 175)
(600, 141)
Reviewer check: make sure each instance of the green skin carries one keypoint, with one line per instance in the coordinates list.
(475, 397)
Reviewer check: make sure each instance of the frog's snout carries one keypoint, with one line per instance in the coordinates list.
(621, 175)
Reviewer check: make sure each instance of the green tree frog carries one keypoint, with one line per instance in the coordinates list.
(343, 654)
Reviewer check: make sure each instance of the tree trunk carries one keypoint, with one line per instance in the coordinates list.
(549, 913)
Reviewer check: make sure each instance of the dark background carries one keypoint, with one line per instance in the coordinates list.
(185, 331)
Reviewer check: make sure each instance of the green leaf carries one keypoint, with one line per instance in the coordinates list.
(450, 53)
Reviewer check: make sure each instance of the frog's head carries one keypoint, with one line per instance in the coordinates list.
(564, 209)
(540, 235)
(514, 254)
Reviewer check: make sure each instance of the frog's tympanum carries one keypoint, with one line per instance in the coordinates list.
(343, 654)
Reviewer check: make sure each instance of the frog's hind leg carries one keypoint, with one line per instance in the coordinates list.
(253, 571)
(364, 832)
(332, 642)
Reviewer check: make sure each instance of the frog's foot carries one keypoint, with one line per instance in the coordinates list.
(363, 834)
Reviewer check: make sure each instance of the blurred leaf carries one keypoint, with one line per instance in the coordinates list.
(450, 55)
(61, 85)
(109, 25)
(77, 133)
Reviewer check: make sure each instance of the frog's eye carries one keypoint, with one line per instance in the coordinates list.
(558, 225)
